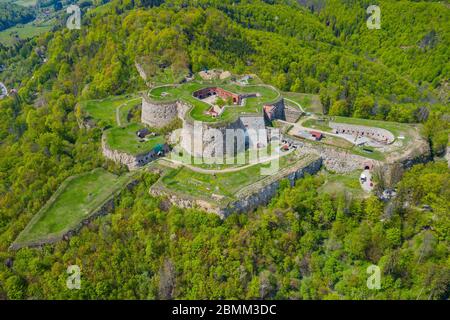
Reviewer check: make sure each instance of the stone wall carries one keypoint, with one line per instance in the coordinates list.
(131, 161)
(200, 139)
(183, 109)
(262, 196)
(334, 159)
(341, 161)
(377, 134)
(447, 156)
(292, 114)
(276, 112)
(249, 199)
(158, 115)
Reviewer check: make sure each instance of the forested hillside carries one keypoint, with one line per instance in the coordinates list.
(306, 245)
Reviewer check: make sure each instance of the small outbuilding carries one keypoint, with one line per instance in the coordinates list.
(316, 135)
(142, 133)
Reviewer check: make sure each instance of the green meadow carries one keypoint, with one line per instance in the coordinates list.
(75, 200)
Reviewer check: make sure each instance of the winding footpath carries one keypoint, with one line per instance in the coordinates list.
(233, 169)
(118, 111)
(296, 103)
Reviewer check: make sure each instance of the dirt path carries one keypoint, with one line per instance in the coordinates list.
(118, 111)
(296, 103)
(118, 115)
(299, 126)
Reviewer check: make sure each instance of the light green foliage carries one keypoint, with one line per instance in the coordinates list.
(305, 244)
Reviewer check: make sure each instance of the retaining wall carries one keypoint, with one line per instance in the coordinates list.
(131, 161)
(377, 134)
(249, 198)
(159, 114)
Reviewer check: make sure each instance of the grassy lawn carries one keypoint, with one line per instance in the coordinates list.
(30, 30)
(202, 185)
(373, 153)
(76, 198)
(25, 3)
(125, 108)
(184, 92)
(309, 102)
(105, 109)
(124, 139)
(316, 124)
(216, 164)
(338, 142)
(337, 184)
(199, 161)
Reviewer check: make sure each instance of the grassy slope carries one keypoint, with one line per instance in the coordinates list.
(23, 31)
(309, 102)
(228, 184)
(25, 3)
(75, 200)
(338, 184)
(105, 109)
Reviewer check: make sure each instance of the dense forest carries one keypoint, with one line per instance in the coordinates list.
(12, 14)
(306, 244)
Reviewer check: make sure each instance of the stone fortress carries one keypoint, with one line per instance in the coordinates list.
(362, 134)
(133, 162)
(159, 114)
(158, 111)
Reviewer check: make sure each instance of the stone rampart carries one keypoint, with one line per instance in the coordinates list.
(131, 161)
(248, 198)
(377, 134)
(158, 114)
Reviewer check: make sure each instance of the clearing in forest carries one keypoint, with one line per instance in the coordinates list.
(76, 199)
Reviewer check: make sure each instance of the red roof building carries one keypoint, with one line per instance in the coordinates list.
(317, 135)
(224, 94)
